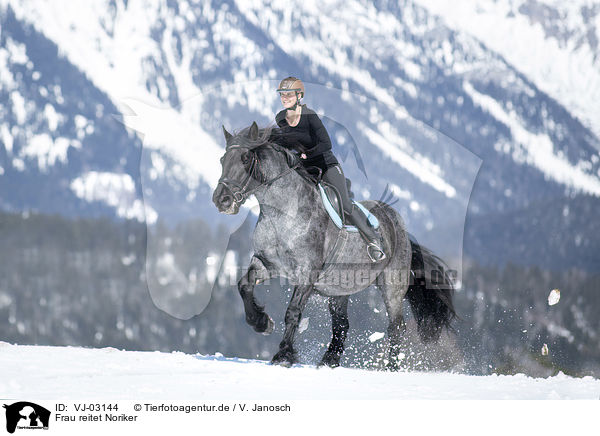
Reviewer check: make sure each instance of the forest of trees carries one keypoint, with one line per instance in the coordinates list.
(83, 282)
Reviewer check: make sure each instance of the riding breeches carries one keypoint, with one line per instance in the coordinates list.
(335, 176)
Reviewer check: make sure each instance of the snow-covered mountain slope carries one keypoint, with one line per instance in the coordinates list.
(109, 374)
(427, 109)
(554, 43)
(62, 152)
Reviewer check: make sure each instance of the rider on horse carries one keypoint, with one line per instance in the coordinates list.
(300, 128)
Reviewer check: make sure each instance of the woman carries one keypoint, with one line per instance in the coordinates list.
(303, 130)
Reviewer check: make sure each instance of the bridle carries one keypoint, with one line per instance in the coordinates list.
(238, 190)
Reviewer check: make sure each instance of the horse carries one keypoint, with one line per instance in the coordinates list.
(294, 238)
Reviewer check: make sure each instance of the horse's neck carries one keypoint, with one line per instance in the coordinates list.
(291, 198)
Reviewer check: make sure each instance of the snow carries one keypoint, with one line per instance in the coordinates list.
(536, 149)
(399, 192)
(8, 54)
(19, 107)
(554, 297)
(303, 325)
(6, 138)
(47, 150)
(110, 374)
(376, 336)
(418, 165)
(327, 50)
(115, 190)
(115, 45)
(52, 117)
(567, 70)
(165, 130)
(17, 51)
(113, 51)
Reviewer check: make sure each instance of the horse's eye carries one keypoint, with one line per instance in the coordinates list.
(222, 159)
(246, 157)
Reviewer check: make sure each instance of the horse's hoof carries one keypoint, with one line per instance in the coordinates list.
(284, 363)
(331, 360)
(265, 326)
(284, 358)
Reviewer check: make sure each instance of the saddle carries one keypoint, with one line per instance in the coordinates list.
(333, 205)
(333, 202)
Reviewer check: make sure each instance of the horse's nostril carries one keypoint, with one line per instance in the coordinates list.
(226, 200)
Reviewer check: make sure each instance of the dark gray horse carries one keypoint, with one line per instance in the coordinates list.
(294, 238)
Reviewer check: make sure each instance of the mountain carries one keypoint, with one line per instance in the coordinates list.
(61, 150)
(554, 43)
(114, 107)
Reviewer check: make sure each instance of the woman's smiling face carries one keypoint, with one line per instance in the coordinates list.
(288, 98)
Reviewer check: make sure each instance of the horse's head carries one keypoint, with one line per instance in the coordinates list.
(241, 168)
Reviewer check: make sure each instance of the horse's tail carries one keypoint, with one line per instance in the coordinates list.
(430, 300)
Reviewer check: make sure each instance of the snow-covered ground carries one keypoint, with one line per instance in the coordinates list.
(42, 372)
(92, 391)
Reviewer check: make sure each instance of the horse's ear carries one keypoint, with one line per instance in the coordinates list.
(228, 135)
(254, 131)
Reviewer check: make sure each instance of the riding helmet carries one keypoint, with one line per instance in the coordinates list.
(292, 84)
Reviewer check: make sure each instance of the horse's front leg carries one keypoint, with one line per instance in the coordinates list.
(338, 308)
(255, 314)
(286, 356)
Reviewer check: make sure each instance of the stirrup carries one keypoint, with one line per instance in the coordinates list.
(375, 252)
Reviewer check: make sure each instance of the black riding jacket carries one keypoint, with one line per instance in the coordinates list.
(309, 136)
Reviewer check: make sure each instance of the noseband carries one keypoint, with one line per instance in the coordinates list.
(238, 190)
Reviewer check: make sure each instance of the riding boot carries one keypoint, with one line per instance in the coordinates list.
(369, 234)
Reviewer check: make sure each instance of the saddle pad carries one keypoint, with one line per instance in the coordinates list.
(335, 217)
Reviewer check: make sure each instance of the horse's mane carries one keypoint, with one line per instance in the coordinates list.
(273, 137)
(242, 137)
